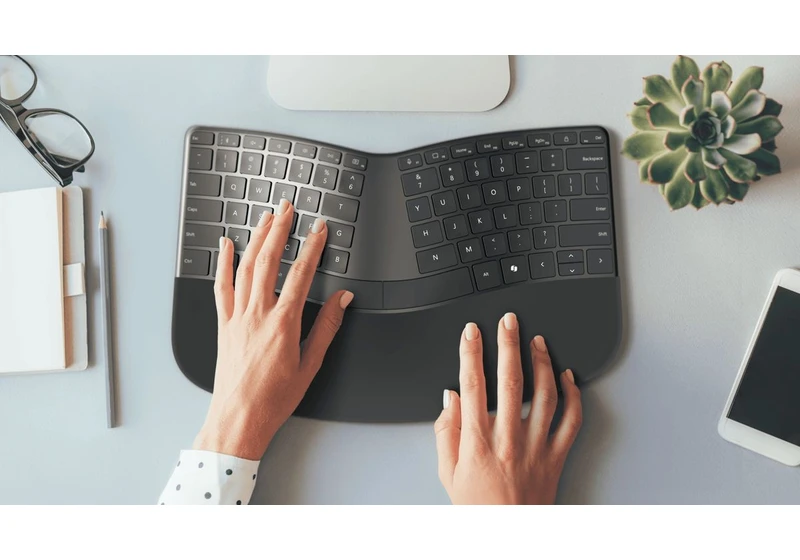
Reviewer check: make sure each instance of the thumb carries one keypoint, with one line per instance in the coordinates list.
(326, 325)
(448, 437)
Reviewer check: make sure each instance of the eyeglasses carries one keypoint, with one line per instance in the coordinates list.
(58, 141)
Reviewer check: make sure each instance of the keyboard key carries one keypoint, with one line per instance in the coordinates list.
(481, 221)
(203, 185)
(544, 187)
(236, 213)
(335, 260)
(306, 223)
(552, 160)
(419, 182)
(240, 237)
(571, 269)
(204, 138)
(294, 223)
(495, 245)
(255, 142)
(487, 275)
(418, 209)
(526, 162)
(279, 146)
(452, 173)
(489, 145)
(308, 200)
(505, 217)
(251, 163)
(565, 138)
(519, 240)
(502, 166)
(585, 234)
(593, 137)
(544, 237)
(355, 162)
(530, 214)
(197, 235)
(409, 162)
(226, 161)
(515, 269)
(540, 140)
(587, 158)
(290, 249)
(282, 190)
(595, 183)
(259, 190)
(425, 291)
(300, 171)
(513, 142)
(305, 150)
(256, 212)
(436, 156)
(569, 185)
(470, 250)
(555, 211)
(455, 227)
(275, 167)
(477, 169)
(469, 197)
(229, 140)
(330, 156)
(542, 265)
(368, 294)
(589, 209)
(195, 262)
(435, 259)
(214, 259)
(463, 150)
(340, 235)
(494, 192)
(444, 203)
(573, 256)
(203, 210)
(339, 208)
(351, 183)
(234, 187)
(600, 261)
(425, 235)
(325, 177)
(519, 188)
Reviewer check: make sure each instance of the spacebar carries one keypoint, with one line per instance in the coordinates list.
(426, 291)
(368, 295)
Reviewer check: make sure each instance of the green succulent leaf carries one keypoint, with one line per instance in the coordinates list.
(695, 169)
(716, 78)
(679, 192)
(769, 146)
(687, 117)
(738, 168)
(660, 116)
(712, 158)
(658, 89)
(663, 168)
(766, 162)
(682, 69)
(720, 104)
(643, 166)
(750, 79)
(643, 145)
(693, 92)
(736, 191)
(692, 145)
(767, 127)
(743, 143)
(674, 140)
(772, 107)
(714, 188)
(727, 67)
(639, 118)
(728, 126)
(751, 105)
(698, 200)
(643, 102)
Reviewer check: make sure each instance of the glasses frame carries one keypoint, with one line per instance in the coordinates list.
(14, 115)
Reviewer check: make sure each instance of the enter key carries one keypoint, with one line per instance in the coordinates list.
(585, 209)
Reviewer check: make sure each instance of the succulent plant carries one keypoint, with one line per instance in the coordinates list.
(701, 137)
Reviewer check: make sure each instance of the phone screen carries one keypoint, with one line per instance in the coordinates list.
(768, 397)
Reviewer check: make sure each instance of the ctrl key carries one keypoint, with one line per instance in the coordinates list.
(195, 262)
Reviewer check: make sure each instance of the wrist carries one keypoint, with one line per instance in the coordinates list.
(234, 431)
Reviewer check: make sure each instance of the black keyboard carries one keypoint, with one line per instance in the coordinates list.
(413, 229)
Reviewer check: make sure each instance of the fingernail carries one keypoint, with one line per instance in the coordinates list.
(538, 342)
(345, 299)
(265, 216)
(568, 375)
(510, 321)
(221, 243)
(319, 223)
(471, 331)
(283, 206)
(446, 399)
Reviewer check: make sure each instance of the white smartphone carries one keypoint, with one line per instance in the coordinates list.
(763, 409)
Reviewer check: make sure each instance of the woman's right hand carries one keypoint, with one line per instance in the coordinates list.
(505, 459)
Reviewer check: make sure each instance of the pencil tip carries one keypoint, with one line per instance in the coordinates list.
(102, 223)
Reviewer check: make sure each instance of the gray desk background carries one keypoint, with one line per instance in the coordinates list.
(693, 286)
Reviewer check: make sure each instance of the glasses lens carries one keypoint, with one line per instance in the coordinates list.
(16, 78)
(60, 135)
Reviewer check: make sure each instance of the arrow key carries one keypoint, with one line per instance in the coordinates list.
(542, 265)
(574, 256)
(600, 261)
(570, 269)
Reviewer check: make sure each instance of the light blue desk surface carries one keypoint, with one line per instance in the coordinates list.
(693, 285)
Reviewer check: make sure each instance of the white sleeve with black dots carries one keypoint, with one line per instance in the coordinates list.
(205, 477)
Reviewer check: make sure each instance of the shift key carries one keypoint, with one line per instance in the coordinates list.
(585, 234)
(196, 235)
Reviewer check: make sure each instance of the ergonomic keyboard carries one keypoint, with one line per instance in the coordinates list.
(426, 239)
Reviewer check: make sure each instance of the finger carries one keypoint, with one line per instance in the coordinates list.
(571, 420)
(545, 397)
(244, 274)
(269, 257)
(298, 282)
(509, 382)
(472, 381)
(223, 281)
(448, 437)
(325, 327)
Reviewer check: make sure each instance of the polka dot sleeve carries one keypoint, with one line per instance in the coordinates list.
(205, 477)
